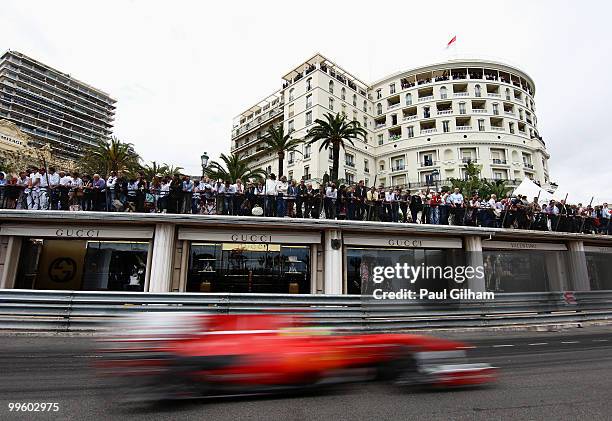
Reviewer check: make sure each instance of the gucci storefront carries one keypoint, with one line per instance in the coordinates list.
(243, 262)
(82, 257)
(363, 253)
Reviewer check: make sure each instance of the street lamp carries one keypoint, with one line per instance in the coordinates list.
(434, 175)
(204, 160)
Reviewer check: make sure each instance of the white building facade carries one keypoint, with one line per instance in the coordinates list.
(423, 124)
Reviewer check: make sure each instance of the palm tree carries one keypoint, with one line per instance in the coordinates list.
(232, 168)
(334, 132)
(279, 143)
(110, 155)
(153, 169)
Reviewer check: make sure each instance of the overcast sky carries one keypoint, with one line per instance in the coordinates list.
(181, 70)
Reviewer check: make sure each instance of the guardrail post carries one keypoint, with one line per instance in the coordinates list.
(472, 245)
(161, 262)
(577, 265)
(333, 262)
(11, 262)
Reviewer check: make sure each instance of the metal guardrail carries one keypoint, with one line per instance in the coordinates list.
(65, 311)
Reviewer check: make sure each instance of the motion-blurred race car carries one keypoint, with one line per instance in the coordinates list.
(182, 355)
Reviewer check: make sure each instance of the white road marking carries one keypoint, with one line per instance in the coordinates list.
(570, 342)
(538, 343)
(500, 346)
(600, 340)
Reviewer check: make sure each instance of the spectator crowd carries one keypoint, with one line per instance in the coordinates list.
(58, 190)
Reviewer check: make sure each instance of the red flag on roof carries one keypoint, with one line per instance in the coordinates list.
(453, 39)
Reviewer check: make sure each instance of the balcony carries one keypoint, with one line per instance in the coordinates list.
(445, 112)
(395, 137)
(410, 117)
(463, 128)
(426, 98)
(467, 160)
(350, 164)
(500, 129)
(528, 165)
(460, 94)
(493, 95)
(380, 126)
(428, 131)
(428, 163)
(479, 110)
(510, 113)
(393, 106)
(398, 168)
(497, 161)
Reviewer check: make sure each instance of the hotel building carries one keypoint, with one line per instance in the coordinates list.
(53, 107)
(423, 124)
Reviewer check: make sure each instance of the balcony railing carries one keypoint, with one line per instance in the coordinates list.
(410, 117)
(445, 112)
(392, 106)
(350, 164)
(464, 128)
(467, 160)
(459, 94)
(493, 95)
(398, 168)
(528, 165)
(427, 131)
(428, 163)
(497, 161)
(479, 110)
(509, 112)
(501, 129)
(395, 137)
(426, 98)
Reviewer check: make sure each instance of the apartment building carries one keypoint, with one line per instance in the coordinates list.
(52, 107)
(423, 124)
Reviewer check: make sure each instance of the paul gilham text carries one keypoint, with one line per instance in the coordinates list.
(425, 294)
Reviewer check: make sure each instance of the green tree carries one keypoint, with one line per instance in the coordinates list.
(231, 168)
(110, 155)
(153, 169)
(472, 183)
(334, 132)
(279, 142)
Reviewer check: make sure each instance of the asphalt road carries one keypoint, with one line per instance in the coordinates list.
(565, 375)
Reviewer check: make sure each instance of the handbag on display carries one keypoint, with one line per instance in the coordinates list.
(257, 210)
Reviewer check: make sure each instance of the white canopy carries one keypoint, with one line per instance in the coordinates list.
(531, 190)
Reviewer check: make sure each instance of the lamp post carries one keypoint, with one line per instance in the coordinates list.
(204, 161)
(434, 175)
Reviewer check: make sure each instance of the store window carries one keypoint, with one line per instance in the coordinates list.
(82, 265)
(361, 263)
(249, 267)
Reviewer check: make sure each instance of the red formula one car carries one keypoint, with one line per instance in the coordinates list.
(181, 355)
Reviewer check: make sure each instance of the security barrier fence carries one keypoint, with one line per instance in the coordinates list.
(68, 311)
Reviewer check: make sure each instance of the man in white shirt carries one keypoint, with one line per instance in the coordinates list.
(331, 195)
(33, 190)
(111, 181)
(23, 182)
(270, 191)
(54, 180)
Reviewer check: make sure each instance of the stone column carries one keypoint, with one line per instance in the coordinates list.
(11, 262)
(161, 261)
(332, 250)
(577, 266)
(472, 244)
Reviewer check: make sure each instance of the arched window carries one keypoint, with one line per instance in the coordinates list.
(379, 109)
(443, 92)
(354, 100)
(365, 106)
(331, 86)
(291, 94)
(477, 90)
(507, 94)
(343, 93)
(408, 99)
